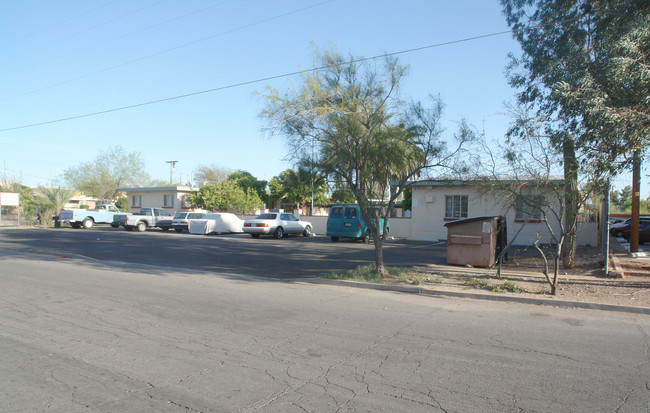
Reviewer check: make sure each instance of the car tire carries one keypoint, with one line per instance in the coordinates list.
(75, 225)
(115, 225)
(165, 228)
(335, 239)
(179, 230)
(366, 238)
(141, 226)
(307, 231)
(279, 233)
(128, 227)
(88, 223)
(255, 235)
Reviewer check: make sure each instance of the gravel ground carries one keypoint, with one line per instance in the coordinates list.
(523, 276)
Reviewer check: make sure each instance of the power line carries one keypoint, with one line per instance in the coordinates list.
(118, 37)
(171, 49)
(59, 23)
(85, 30)
(250, 82)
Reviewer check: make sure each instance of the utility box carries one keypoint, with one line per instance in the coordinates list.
(474, 241)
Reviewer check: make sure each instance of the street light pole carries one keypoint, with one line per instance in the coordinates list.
(171, 171)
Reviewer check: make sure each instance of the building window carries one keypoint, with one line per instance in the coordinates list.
(185, 202)
(529, 208)
(168, 201)
(136, 201)
(455, 206)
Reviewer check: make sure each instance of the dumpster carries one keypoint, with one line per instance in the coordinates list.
(475, 241)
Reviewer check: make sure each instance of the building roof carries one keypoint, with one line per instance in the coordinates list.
(473, 181)
(159, 189)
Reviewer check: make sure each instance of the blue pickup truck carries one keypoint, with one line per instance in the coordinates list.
(87, 218)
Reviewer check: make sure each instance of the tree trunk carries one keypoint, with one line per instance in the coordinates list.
(379, 256)
(571, 201)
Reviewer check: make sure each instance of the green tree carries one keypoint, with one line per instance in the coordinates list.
(50, 200)
(122, 204)
(586, 64)
(226, 196)
(112, 169)
(246, 180)
(341, 195)
(293, 186)
(349, 113)
(407, 201)
(585, 68)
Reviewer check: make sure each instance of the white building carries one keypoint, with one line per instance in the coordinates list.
(437, 202)
(173, 198)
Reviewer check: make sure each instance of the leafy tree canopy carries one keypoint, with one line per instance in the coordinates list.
(226, 196)
(50, 200)
(112, 169)
(586, 66)
(293, 186)
(349, 113)
(246, 180)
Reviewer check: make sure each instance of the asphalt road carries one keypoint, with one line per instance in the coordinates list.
(239, 254)
(82, 335)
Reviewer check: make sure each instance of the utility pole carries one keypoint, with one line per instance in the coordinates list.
(171, 171)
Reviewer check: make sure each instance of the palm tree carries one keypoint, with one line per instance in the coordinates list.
(296, 187)
(50, 200)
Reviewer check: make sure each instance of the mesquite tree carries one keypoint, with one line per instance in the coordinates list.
(348, 112)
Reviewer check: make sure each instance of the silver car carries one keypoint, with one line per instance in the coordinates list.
(277, 224)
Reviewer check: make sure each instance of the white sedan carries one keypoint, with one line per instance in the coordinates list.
(277, 224)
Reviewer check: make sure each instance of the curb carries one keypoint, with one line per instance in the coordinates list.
(477, 296)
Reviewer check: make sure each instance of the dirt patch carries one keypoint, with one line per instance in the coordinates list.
(525, 269)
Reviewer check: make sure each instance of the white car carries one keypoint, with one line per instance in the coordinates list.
(277, 224)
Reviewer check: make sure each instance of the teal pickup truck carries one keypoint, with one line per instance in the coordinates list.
(87, 218)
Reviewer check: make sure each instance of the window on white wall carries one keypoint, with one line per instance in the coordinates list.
(136, 201)
(529, 208)
(456, 206)
(168, 201)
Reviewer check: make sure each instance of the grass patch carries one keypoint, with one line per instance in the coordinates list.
(394, 275)
(507, 286)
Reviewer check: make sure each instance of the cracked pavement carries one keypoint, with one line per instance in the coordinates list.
(79, 336)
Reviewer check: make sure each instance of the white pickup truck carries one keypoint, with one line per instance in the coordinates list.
(87, 218)
(147, 217)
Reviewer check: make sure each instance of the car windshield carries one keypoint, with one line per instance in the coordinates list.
(180, 215)
(267, 216)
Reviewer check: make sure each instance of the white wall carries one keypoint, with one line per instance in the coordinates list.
(427, 223)
(428, 217)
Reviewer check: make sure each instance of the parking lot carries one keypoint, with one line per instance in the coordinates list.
(237, 254)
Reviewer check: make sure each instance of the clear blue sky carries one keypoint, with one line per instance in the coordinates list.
(76, 57)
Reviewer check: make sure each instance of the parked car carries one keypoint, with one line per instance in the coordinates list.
(216, 223)
(345, 221)
(180, 222)
(146, 218)
(644, 232)
(618, 230)
(87, 218)
(277, 224)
